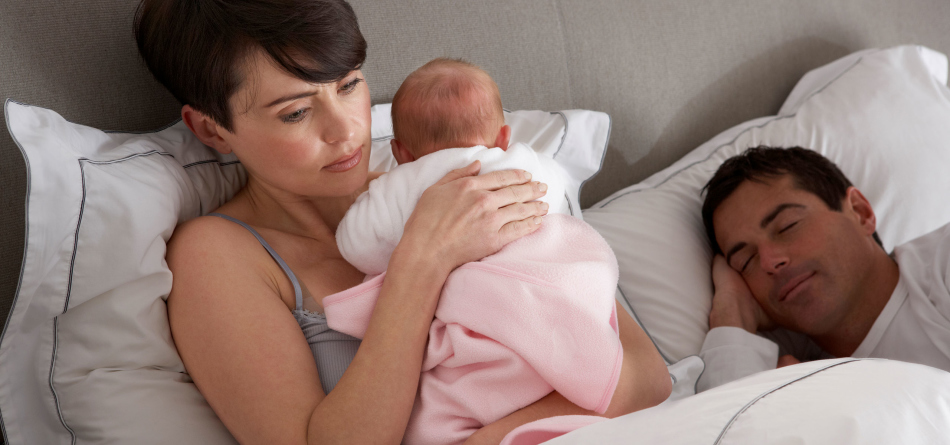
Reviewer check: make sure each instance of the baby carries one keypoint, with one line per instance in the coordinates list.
(451, 103)
(537, 316)
(443, 105)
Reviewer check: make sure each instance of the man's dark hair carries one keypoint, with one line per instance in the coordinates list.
(196, 47)
(809, 170)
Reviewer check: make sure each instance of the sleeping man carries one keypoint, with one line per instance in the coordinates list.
(796, 248)
(538, 316)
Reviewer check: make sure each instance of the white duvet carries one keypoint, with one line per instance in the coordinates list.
(840, 401)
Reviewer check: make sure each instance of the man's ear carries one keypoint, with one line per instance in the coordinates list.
(206, 129)
(400, 152)
(503, 138)
(861, 208)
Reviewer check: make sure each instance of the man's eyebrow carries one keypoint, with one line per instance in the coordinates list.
(290, 98)
(781, 208)
(734, 250)
(765, 222)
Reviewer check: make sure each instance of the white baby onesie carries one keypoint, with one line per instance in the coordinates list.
(373, 225)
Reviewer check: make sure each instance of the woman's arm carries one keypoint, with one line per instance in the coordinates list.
(247, 354)
(644, 382)
(380, 386)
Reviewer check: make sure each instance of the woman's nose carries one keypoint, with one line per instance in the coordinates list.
(338, 125)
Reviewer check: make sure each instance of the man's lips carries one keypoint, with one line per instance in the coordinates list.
(346, 162)
(792, 284)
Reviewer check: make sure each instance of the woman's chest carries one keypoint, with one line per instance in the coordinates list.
(319, 268)
(327, 278)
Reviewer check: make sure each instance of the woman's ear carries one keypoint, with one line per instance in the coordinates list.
(503, 138)
(400, 152)
(206, 129)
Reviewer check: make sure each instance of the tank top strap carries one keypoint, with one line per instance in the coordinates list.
(298, 294)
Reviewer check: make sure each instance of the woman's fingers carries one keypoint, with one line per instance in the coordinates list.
(517, 194)
(522, 211)
(523, 218)
(517, 229)
(469, 170)
(464, 218)
(500, 179)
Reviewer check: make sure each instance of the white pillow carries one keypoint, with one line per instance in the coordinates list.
(87, 354)
(841, 402)
(883, 116)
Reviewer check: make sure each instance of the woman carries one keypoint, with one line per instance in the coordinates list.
(278, 84)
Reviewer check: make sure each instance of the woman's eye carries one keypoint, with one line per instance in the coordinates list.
(350, 86)
(294, 117)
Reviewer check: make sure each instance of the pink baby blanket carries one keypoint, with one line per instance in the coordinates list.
(537, 316)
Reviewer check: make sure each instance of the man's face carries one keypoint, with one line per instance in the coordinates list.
(804, 262)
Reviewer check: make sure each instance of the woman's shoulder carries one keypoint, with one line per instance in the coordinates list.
(210, 235)
(212, 255)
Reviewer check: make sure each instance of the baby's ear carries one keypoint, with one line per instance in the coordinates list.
(503, 138)
(400, 152)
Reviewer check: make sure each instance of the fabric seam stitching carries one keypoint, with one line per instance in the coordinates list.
(735, 416)
(570, 208)
(72, 265)
(52, 367)
(563, 136)
(26, 238)
(72, 260)
(603, 156)
(209, 161)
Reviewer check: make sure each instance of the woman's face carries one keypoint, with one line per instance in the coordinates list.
(307, 140)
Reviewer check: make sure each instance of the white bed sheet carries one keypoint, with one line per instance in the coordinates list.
(841, 401)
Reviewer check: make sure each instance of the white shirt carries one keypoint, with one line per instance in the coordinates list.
(914, 325)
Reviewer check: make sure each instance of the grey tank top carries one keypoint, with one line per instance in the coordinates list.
(333, 351)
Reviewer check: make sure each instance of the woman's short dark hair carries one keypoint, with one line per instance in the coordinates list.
(195, 47)
(809, 170)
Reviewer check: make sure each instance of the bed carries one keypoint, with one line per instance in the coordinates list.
(684, 85)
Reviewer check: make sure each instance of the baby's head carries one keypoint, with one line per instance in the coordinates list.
(447, 103)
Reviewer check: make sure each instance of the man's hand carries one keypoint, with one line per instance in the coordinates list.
(787, 360)
(733, 304)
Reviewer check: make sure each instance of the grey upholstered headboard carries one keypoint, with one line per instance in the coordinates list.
(671, 73)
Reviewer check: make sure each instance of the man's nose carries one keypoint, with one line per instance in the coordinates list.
(773, 258)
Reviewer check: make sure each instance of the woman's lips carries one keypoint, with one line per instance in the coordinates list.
(346, 162)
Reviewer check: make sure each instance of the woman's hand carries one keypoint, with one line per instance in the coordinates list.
(464, 217)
